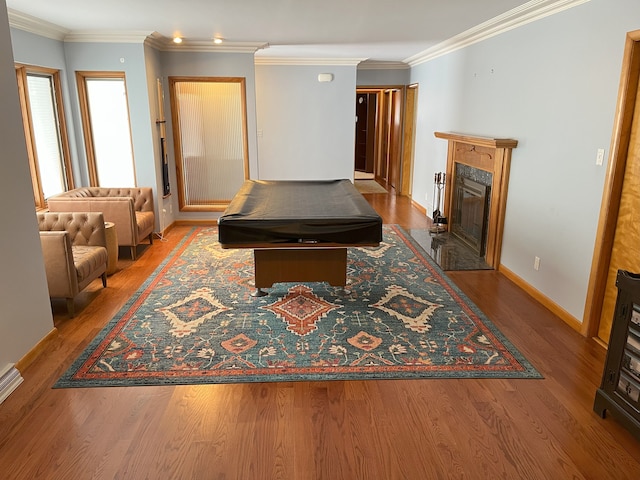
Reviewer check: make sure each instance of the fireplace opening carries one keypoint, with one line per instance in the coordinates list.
(471, 213)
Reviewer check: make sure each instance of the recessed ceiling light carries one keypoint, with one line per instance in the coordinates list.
(217, 40)
(177, 40)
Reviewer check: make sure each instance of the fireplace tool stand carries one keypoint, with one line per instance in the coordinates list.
(439, 220)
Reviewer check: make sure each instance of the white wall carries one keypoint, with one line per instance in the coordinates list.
(552, 85)
(369, 77)
(306, 129)
(25, 310)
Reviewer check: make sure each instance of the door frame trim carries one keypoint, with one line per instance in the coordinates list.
(610, 206)
(379, 90)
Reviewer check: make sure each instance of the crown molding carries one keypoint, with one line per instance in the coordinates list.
(162, 43)
(30, 24)
(307, 61)
(380, 65)
(517, 17)
(155, 40)
(527, 13)
(36, 26)
(209, 46)
(107, 37)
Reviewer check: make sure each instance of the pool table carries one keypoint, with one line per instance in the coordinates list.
(299, 230)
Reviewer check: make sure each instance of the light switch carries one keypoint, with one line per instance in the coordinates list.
(600, 156)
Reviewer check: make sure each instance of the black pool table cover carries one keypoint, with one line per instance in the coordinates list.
(302, 212)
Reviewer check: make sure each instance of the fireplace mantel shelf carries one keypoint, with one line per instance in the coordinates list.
(489, 154)
(478, 141)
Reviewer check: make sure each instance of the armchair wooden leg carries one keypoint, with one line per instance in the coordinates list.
(71, 309)
(104, 279)
(151, 238)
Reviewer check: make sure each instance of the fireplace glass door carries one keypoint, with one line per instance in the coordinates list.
(470, 213)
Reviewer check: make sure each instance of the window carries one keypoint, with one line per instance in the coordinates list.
(210, 140)
(45, 131)
(107, 131)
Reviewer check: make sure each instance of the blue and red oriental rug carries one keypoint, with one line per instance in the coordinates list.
(194, 321)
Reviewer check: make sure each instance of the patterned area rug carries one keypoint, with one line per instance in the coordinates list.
(194, 321)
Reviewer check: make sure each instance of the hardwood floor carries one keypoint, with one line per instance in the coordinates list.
(404, 429)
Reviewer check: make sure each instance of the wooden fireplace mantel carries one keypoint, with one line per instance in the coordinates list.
(492, 155)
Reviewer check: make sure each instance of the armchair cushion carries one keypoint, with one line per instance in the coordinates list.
(87, 260)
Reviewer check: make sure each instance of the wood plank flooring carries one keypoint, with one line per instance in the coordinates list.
(400, 429)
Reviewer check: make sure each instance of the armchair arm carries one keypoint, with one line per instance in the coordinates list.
(144, 200)
(58, 262)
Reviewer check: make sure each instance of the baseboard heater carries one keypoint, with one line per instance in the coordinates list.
(10, 378)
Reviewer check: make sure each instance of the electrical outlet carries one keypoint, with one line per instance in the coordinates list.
(536, 263)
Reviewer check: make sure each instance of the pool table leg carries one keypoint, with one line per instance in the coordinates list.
(258, 292)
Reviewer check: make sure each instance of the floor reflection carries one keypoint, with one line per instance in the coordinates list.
(448, 251)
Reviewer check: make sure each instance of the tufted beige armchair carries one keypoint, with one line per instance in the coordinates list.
(75, 252)
(130, 209)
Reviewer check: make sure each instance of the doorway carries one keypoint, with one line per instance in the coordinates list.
(618, 235)
(379, 135)
(366, 107)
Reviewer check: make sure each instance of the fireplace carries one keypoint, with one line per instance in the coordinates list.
(477, 181)
(470, 212)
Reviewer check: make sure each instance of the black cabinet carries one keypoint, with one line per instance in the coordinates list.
(619, 392)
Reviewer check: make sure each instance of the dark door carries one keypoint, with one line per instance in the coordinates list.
(365, 131)
(361, 132)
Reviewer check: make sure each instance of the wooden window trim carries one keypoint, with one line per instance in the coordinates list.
(81, 77)
(22, 70)
(177, 142)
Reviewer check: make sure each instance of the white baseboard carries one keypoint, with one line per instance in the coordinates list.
(10, 378)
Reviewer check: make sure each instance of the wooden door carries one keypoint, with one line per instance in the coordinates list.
(372, 109)
(406, 170)
(618, 236)
(395, 137)
(625, 252)
(382, 159)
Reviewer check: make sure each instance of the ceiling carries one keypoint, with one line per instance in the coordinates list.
(376, 30)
